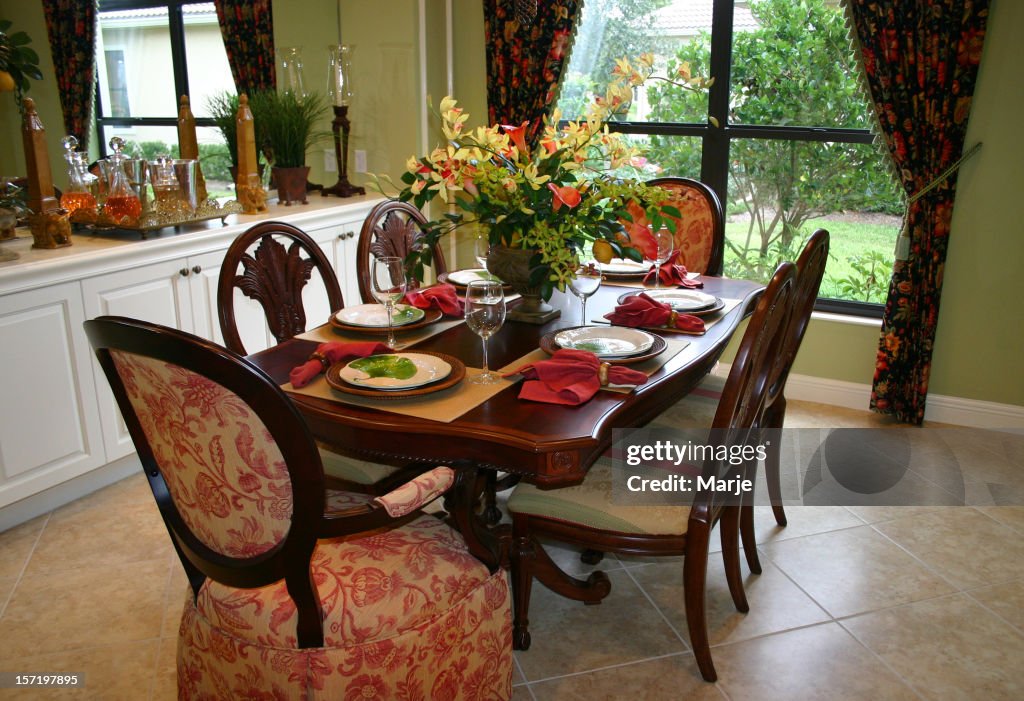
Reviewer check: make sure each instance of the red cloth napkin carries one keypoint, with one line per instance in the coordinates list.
(641, 310)
(327, 354)
(572, 377)
(671, 272)
(442, 297)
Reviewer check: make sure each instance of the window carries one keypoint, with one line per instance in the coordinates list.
(153, 52)
(792, 150)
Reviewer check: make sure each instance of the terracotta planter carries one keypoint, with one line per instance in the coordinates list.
(512, 265)
(291, 184)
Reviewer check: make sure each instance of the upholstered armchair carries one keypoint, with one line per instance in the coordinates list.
(297, 591)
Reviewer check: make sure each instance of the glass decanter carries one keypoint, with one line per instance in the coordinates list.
(78, 195)
(123, 205)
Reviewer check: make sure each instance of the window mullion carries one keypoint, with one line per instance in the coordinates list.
(176, 26)
(715, 151)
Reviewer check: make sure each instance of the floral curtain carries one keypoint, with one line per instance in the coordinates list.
(528, 45)
(71, 27)
(921, 62)
(248, 31)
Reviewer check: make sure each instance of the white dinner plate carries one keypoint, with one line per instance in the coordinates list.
(621, 266)
(464, 277)
(395, 371)
(375, 315)
(612, 342)
(683, 300)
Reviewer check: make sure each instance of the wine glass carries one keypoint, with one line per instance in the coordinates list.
(388, 284)
(485, 313)
(665, 242)
(481, 247)
(585, 283)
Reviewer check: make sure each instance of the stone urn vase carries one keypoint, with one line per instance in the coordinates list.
(512, 265)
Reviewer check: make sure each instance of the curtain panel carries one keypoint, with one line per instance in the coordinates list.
(527, 44)
(71, 28)
(921, 62)
(248, 31)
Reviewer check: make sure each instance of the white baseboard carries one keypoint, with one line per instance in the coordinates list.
(28, 508)
(940, 408)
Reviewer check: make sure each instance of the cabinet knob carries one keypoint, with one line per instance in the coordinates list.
(183, 272)
(351, 235)
(197, 269)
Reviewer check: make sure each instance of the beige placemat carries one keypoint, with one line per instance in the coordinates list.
(327, 333)
(445, 406)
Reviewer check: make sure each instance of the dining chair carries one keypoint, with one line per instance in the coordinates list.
(392, 228)
(587, 516)
(700, 234)
(296, 591)
(697, 408)
(271, 263)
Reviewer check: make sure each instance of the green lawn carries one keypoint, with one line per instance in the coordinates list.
(872, 238)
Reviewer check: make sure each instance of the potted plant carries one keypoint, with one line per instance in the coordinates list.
(18, 62)
(541, 207)
(285, 131)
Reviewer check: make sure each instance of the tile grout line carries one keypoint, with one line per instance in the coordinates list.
(617, 665)
(883, 662)
(24, 565)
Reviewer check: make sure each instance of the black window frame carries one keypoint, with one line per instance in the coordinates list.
(716, 140)
(176, 26)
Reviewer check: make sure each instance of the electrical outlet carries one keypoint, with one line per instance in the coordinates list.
(360, 164)
(330, 161)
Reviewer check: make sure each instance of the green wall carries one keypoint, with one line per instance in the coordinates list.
(980, 323)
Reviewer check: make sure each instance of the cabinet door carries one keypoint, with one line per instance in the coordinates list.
(158, 293)
(49, 431)
(339, 242)
(203, 272)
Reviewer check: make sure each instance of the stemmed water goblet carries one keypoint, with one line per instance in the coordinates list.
(665, 242)
(388, 283)
(585, 283)
(481, 247)
(485, 314)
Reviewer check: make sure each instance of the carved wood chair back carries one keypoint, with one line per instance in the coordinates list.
(392, 228)
(700, 236)
(275, 276)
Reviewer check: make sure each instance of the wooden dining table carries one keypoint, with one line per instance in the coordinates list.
(547, 444)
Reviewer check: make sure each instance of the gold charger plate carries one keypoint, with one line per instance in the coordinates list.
(716, 306)
(429, 317)
(549, 346)
(453, 378)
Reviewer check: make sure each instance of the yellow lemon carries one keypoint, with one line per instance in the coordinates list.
(602, 251)
(6, 82)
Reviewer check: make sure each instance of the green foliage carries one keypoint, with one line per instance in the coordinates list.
(223, 108)
(18, 59)
(612, 29)
(868, 279)
(796, 69)
(213, 158)
(285, 125)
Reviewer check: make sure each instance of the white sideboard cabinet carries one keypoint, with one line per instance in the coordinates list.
(58, 419)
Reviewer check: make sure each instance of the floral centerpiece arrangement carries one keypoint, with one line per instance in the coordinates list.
(555, 200)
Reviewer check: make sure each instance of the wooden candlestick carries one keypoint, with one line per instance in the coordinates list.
(341, 125)
(48, 222)
(248, 187)
(188, 145)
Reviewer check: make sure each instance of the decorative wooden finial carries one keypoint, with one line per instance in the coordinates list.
(248, 187)
(188, 146)
(37, 161)
(49, 223)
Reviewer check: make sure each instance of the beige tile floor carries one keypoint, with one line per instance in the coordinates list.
(854, 603)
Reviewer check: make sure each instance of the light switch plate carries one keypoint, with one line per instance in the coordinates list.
(360, 164)
(330, 161)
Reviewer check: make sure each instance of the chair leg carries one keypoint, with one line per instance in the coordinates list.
(749, 539)
(695, 568)
(589, 556)
(772, 461)
(729, 525)
(523, 555)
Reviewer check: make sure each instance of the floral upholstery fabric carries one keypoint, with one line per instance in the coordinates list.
(409, 614)
(224, 471)
(414, 494)
(695, 231)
